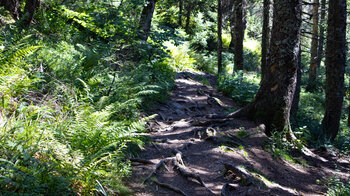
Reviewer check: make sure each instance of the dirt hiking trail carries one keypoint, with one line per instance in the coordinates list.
(192, 154)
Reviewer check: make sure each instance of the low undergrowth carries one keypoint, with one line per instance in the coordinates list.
(66, 128)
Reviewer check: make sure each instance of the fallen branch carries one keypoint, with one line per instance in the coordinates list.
(168, 186)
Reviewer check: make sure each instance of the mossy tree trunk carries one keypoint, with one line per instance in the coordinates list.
(335, 67)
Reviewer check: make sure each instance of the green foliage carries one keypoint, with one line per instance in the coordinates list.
(281, 147)
(69, 118)
(251, 54)
(241, 86)
(180, 56)
(336, 187)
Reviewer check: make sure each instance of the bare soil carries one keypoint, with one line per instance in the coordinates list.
(205, 145)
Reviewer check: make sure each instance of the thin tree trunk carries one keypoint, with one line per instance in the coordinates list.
(12, 6)
(181, 5)
(314, 46)
(146, 19)
(272, 103)
(321, 37)
(335, 67)
(219, 37)
(296, 98)
(29, 11)
(188, 17)
(265, 40)
(232, 29)
(239, 6)
(120, 5)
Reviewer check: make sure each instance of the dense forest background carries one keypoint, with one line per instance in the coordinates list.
(78, 77)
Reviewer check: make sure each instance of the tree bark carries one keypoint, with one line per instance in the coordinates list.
(188, 16)
(29, 11)
(12, 6)
(335, 67)
(314, 46)
(239, 6)
(296, 97)
(265, 39)
(232, 29)
(146, 19)
(181, 5)
(321, 37)
(272, 103)
(219, 37)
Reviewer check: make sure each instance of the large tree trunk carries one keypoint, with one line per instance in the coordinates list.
(265, 39)
(314, 46)
(272, 103)
(239, 6)
(219, 37)
(335, 67)
(146, 19)
(321, 37)
(29, 11)
(12, 6)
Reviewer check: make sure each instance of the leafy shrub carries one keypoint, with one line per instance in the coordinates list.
(240, 86)
(180, 56)
(66, 128)
(337, 187)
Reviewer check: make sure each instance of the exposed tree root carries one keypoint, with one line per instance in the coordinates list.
(159, 164)
(155, 146)
(168, 186)
(209, 121)
(245, 175)
(185, 146)
(230, 140)
(180, 166)
(141, 161)
(225, 191)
